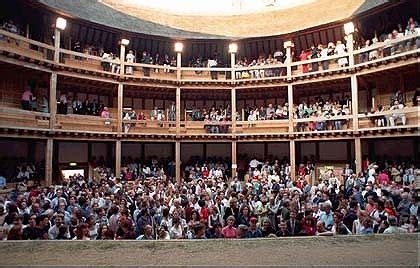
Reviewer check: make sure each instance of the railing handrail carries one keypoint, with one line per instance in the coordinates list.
(207, 69)
(333, 57)
(383, 44)
(89, 117)
(259, 67)
(389, 57)
(21, 111)
(87, 56)
(263, 122)
(152, 66)
(321, 118)
(27, 40)
(404, 110)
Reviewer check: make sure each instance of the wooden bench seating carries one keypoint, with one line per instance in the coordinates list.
(85, 122)
(411, 113)
(22, 48)
(197, 127)
(10, 116)
(269, 126)
(150, 127)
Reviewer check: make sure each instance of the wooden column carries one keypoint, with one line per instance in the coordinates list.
(122, 59)
(290, 101)
(288, 47)
(292, 154)
(57, 45)
(178, 162)
(358, 154)
(233, 105)
(178, 65)
(178, 110)
(49, 162)
(349, 46)
(117, 158)
(234, 160)
(232, 65)
(120, 106)
(354, 101)
(53, 99)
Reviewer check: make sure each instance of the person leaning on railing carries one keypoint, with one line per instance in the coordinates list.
(397, 115)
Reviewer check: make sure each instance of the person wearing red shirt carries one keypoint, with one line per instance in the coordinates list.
(204, 212)
(308, 225)
(383, 178)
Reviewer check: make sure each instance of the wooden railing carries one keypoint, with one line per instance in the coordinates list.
(368, 121)
(16, 117)
(74, 122)
(20, 46)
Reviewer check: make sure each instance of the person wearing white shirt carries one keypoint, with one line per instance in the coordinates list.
(340, 49)
(129, 59)
(397, 115)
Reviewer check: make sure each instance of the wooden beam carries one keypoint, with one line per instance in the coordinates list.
(178, 162)
(49, 162)
(292, 154)
(118, 158)
(290, 101)
(178, 110)
(53, 99)
(358, 154)
(234, 160)
(354, 101)
(233, 105)
(120, 107)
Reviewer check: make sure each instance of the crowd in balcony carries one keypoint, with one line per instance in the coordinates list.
(19, 170)
(29, 102)
(152, 168)
(278, 58)
(321, 110)
(269, 203)
(397, 117)
(266, 112)
(216, 119)
(215, 168)
(12, 27)
(81, 106)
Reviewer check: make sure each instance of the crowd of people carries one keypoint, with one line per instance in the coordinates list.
(68, 105)
(396, 117)
(18, 169)
(323, 109)
(149, 206)
(216, 119)
(211, 168)
(30, 102)
(277, 58)
(152, 168)
(411, 29)
(269, 112)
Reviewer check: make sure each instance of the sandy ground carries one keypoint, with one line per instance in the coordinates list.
(380, 250)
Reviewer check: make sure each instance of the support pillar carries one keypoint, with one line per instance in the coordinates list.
(178, 110)
(232, 66)
(117, 158)
(178, 162)
(290, 101)
(178, 65)
(354, 102)
(122, 59)
(288, 46)
(292, 154)
(358, 154)
(233, 105)
(49, 162)
(120, 107)
(53, 99)
(57, 45)
(234, 160)
(350, 48)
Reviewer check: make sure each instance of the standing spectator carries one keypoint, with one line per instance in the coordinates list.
(27, 99)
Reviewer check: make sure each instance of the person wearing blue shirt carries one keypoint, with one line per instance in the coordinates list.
(2, 182)
(327, 216)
